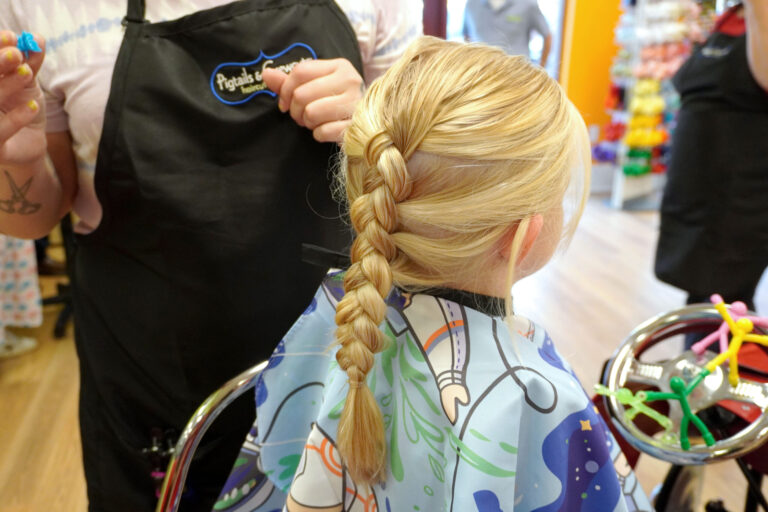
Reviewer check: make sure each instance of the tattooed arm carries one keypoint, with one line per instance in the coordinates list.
(33, 195)
(36, 195)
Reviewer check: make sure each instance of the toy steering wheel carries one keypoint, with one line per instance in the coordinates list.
(689, 383)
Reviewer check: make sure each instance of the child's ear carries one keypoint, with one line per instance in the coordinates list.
(535, 225)
(534, 230)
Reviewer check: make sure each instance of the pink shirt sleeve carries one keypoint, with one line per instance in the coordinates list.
(56, 118)
(384, 29)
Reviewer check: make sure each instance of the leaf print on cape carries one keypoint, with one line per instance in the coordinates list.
(414, 414)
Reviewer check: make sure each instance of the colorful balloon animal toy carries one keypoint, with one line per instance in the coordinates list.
(740, 330)
(689, 383)
(679, 392)
(26, 43)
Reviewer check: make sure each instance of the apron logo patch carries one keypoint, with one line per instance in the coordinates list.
(715, 52)
(234, 83)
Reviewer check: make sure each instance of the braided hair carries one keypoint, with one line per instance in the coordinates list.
(446, 151)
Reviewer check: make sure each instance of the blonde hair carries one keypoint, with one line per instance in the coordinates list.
(450, 148)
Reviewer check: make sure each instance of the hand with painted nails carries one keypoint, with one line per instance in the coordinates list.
(320, 95)
(22, 116)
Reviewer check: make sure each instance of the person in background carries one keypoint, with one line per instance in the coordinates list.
(195, 187)
(713, 236)
(507, 24)
(19, 295)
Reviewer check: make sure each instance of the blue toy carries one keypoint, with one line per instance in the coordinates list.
(26, 43)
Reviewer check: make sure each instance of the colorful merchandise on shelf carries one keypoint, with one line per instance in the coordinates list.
(655, 38)
(637, 162)
(614, 131)
(604, 153)
(646, 138)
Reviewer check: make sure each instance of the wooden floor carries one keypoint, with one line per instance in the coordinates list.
(589, 299)
(40, 467)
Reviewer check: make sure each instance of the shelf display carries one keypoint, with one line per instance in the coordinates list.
(655, 38)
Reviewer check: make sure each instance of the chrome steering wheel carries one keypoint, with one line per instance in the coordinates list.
(626, 368)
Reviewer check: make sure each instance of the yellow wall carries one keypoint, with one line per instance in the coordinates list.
(588, 52)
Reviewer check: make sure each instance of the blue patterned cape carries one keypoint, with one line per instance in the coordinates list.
(477, 419)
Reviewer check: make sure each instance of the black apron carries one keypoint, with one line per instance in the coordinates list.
(714, 214)
(208, 192)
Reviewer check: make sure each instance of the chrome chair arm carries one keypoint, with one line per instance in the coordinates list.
(197, 426)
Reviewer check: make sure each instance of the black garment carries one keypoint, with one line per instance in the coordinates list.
(714, 214)
(194, 273)
(41, 248)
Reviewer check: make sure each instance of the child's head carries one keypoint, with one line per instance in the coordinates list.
(456, 166)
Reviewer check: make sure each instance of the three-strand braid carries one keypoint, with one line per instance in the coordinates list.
(491, 142)
(361, 437)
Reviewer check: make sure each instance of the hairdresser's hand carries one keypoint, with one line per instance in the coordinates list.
(321, 95)
(22, 115)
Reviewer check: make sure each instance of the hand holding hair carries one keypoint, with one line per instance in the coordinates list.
(320, 95)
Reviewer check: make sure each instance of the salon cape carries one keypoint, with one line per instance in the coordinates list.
(470, 426)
